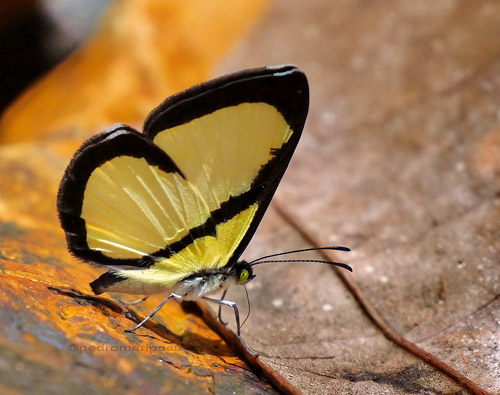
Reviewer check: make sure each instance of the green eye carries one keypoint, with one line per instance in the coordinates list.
(243, 276)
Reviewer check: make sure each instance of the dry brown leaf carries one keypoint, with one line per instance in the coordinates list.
(399, 161)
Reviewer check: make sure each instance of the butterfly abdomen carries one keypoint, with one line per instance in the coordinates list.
(195, 286)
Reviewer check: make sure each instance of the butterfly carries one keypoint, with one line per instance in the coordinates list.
(171, 209)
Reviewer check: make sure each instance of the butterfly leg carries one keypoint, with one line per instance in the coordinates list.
(230, 304)
(220, 308)
(172, 295)
(221, 302)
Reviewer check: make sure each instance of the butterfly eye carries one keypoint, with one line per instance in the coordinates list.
(243, 276)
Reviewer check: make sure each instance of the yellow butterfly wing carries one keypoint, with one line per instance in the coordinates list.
(187, 195)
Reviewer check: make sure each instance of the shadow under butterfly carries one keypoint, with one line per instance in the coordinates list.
(171, 210)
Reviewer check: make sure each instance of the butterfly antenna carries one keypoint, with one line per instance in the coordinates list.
(248, 303)
(339, 264)
(338, 248)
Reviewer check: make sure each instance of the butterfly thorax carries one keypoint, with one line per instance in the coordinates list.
(208, 281)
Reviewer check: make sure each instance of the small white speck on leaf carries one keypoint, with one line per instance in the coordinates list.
(277, 303)
(327, 307)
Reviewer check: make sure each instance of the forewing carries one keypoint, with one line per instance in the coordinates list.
(232, 136)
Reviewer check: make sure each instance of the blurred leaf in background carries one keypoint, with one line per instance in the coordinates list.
(36, 35)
